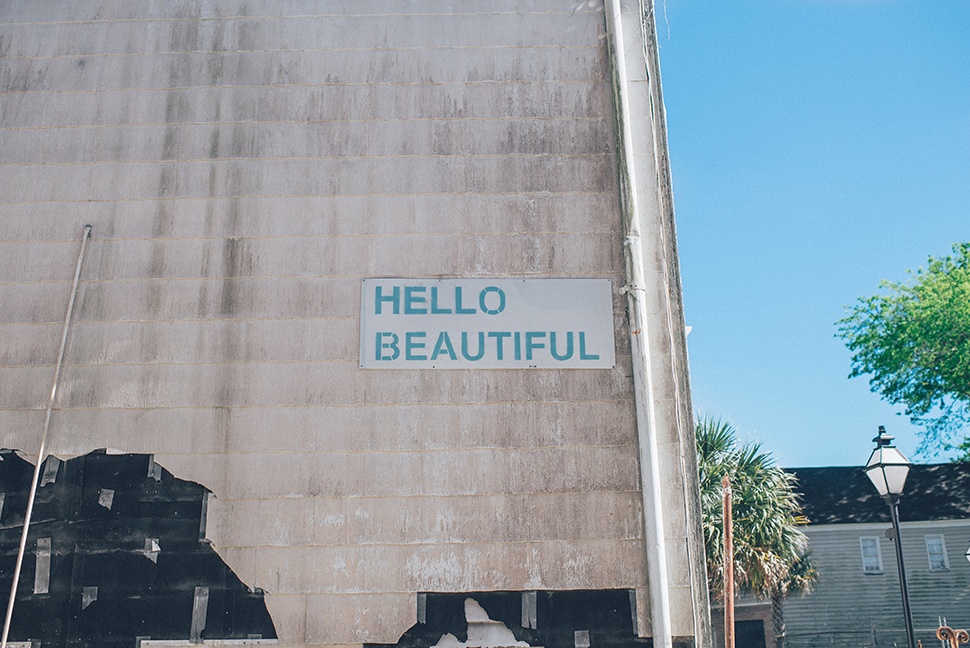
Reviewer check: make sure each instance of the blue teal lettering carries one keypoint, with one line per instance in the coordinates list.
(434, 303)
(501, 300)
(517, 339)
(531, 344)
(499, 347)
(410, 299)
(394, 298)
(569, 346)
(458, 309)
(444, 342)
(392, 346)
(411, 344)
(481, 346)
(582, 348)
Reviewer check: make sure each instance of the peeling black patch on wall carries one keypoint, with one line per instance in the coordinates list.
(552, 619)
(104, 590)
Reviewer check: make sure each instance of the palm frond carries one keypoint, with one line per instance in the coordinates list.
(770, 551)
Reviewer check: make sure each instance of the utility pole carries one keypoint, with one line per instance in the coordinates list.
(728, 566)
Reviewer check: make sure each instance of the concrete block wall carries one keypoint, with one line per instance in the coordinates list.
(244, 164)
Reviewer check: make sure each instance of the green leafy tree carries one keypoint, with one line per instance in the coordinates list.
(770, 552)
(913, 340)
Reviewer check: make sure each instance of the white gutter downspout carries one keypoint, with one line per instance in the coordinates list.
(653, 526)
(43, 441)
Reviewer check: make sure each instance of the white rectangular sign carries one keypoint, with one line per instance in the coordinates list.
(486, 324)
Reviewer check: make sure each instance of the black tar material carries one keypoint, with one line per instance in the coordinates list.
(606, 614)
(95, 546)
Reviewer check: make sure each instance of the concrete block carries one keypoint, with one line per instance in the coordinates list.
(636, 68)
(268, 475)
(261, 522)
(289, 612)
(354, 176)
(498, 100)
(470, 472)
(337, 66)
(374, 215)
(681, 611)
(209, 470)
(678, 561)
(111, 10)
(540, 254)
(286, 429)
(524, 566)
(241, 560)
(417, 427)
(189, 342)
(29, 344)
(226, 298)
(296, 384)
(667, 414)
(21, 424)
(25, 387)
(317, 139)
(378, 618)
(443, 567)
(457, 519)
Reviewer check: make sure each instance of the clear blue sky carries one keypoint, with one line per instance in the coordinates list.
(817, 147)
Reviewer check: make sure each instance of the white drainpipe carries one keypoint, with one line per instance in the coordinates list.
(653, 526)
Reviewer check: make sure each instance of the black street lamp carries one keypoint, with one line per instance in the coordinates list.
(887, 468)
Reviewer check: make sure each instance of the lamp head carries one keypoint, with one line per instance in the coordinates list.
(887, 467)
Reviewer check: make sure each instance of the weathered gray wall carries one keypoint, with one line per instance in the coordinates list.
(244, 164)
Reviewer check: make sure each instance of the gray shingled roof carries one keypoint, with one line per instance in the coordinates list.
(844, 495)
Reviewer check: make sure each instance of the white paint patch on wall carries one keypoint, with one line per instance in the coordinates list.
(483, 632)
(436, 572)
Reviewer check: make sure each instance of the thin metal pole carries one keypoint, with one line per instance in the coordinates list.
(903, 588)
(43, 441)
(728, 565)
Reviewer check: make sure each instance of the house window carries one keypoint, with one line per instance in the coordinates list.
(936, 552)
(871, 556)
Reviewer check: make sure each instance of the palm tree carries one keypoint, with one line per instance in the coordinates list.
(771, 557)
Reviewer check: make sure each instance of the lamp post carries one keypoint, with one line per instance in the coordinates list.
(887, 468)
